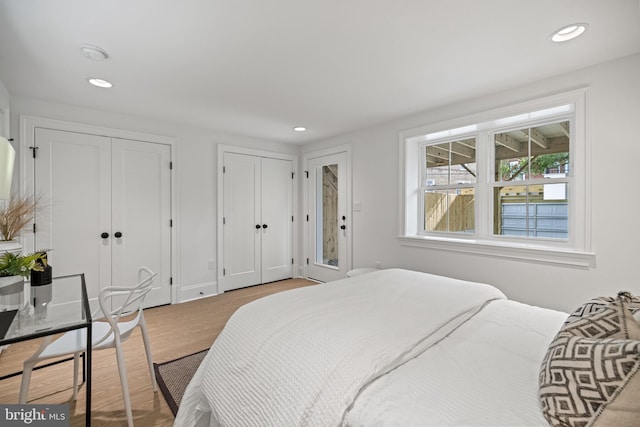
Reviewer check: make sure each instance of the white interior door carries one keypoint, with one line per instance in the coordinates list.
(72, 175)
(141, 206)
(328, 226)
(94, 187)
(276, 214)
(242, 222)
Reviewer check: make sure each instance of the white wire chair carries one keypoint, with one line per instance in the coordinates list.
(120, 313)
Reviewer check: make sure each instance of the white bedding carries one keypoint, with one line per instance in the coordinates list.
(484, 374)
(345, 353)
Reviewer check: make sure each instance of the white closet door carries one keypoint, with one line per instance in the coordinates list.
(242, 217)
(73, 176)
(277, 211)
(141, 205)
(94, 187)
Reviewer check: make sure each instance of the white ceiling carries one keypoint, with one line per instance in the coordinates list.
(261, 67)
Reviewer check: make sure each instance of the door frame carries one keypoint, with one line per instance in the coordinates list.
(340, 149)
(222, 148)
(28, 125)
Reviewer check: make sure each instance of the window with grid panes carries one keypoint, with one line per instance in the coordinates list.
(506, 184)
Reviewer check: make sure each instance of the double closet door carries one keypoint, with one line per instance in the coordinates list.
(107, 209)
(257, 220)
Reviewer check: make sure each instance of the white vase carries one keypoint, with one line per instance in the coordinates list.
(11, 295)
(11, 292)
(11, 246)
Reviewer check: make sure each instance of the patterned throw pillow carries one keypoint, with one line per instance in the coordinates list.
(589, 376)
(597, 304)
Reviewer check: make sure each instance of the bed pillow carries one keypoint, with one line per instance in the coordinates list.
(598, 304)
(589, 376)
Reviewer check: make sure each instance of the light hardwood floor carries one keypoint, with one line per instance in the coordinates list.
(175, 330)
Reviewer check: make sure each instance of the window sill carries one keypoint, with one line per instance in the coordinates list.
(510, 251)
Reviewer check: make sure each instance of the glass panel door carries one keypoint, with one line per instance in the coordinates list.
(327, 250)
(328, 223)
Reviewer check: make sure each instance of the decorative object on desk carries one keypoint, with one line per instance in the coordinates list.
(21, 265)
(13, 269)
(40, 299)
(44, 276)
(11, 292)
(41, 288)
(12, 246)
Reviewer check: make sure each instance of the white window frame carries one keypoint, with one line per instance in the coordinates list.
(448, 138)
(576, 251)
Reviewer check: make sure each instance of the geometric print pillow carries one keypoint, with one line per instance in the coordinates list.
(601, 318)
(598, 304)
(589, 376)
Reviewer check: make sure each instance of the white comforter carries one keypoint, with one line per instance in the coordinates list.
(302, 357)
(485, 373)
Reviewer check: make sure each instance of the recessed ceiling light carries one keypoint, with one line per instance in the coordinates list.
(94, 53)
(100, 82)
(569, 32)
(299, 128)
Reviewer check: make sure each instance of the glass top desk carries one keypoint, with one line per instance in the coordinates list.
(29, 312)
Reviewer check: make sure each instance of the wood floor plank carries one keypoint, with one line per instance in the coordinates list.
(174, 330)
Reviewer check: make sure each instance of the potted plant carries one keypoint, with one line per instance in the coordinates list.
(13, 269)
(41, 273)
(21, 265)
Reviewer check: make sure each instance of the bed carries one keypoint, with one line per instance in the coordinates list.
(391, 347)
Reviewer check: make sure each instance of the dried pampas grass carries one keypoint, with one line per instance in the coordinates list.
(17, 214)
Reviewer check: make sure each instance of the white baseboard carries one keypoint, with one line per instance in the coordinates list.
(201, 290)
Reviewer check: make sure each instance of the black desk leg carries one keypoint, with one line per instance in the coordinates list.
(88, 385)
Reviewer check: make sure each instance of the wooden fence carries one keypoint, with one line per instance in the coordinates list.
(458, 206)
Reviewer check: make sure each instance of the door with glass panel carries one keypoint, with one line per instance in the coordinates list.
(328, 225)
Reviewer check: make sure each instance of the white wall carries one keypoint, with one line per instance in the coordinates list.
(613, 114)
(613, 118)
(4, 109)
(194, 163)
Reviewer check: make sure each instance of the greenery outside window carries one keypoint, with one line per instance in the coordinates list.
(530, 182)
(511, 182)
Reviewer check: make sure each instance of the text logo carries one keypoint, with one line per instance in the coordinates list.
(34, 415)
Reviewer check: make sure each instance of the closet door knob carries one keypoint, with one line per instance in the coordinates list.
(264, 225)
(258, 226)
(117, 234)
(343, 227)
(105, 235)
